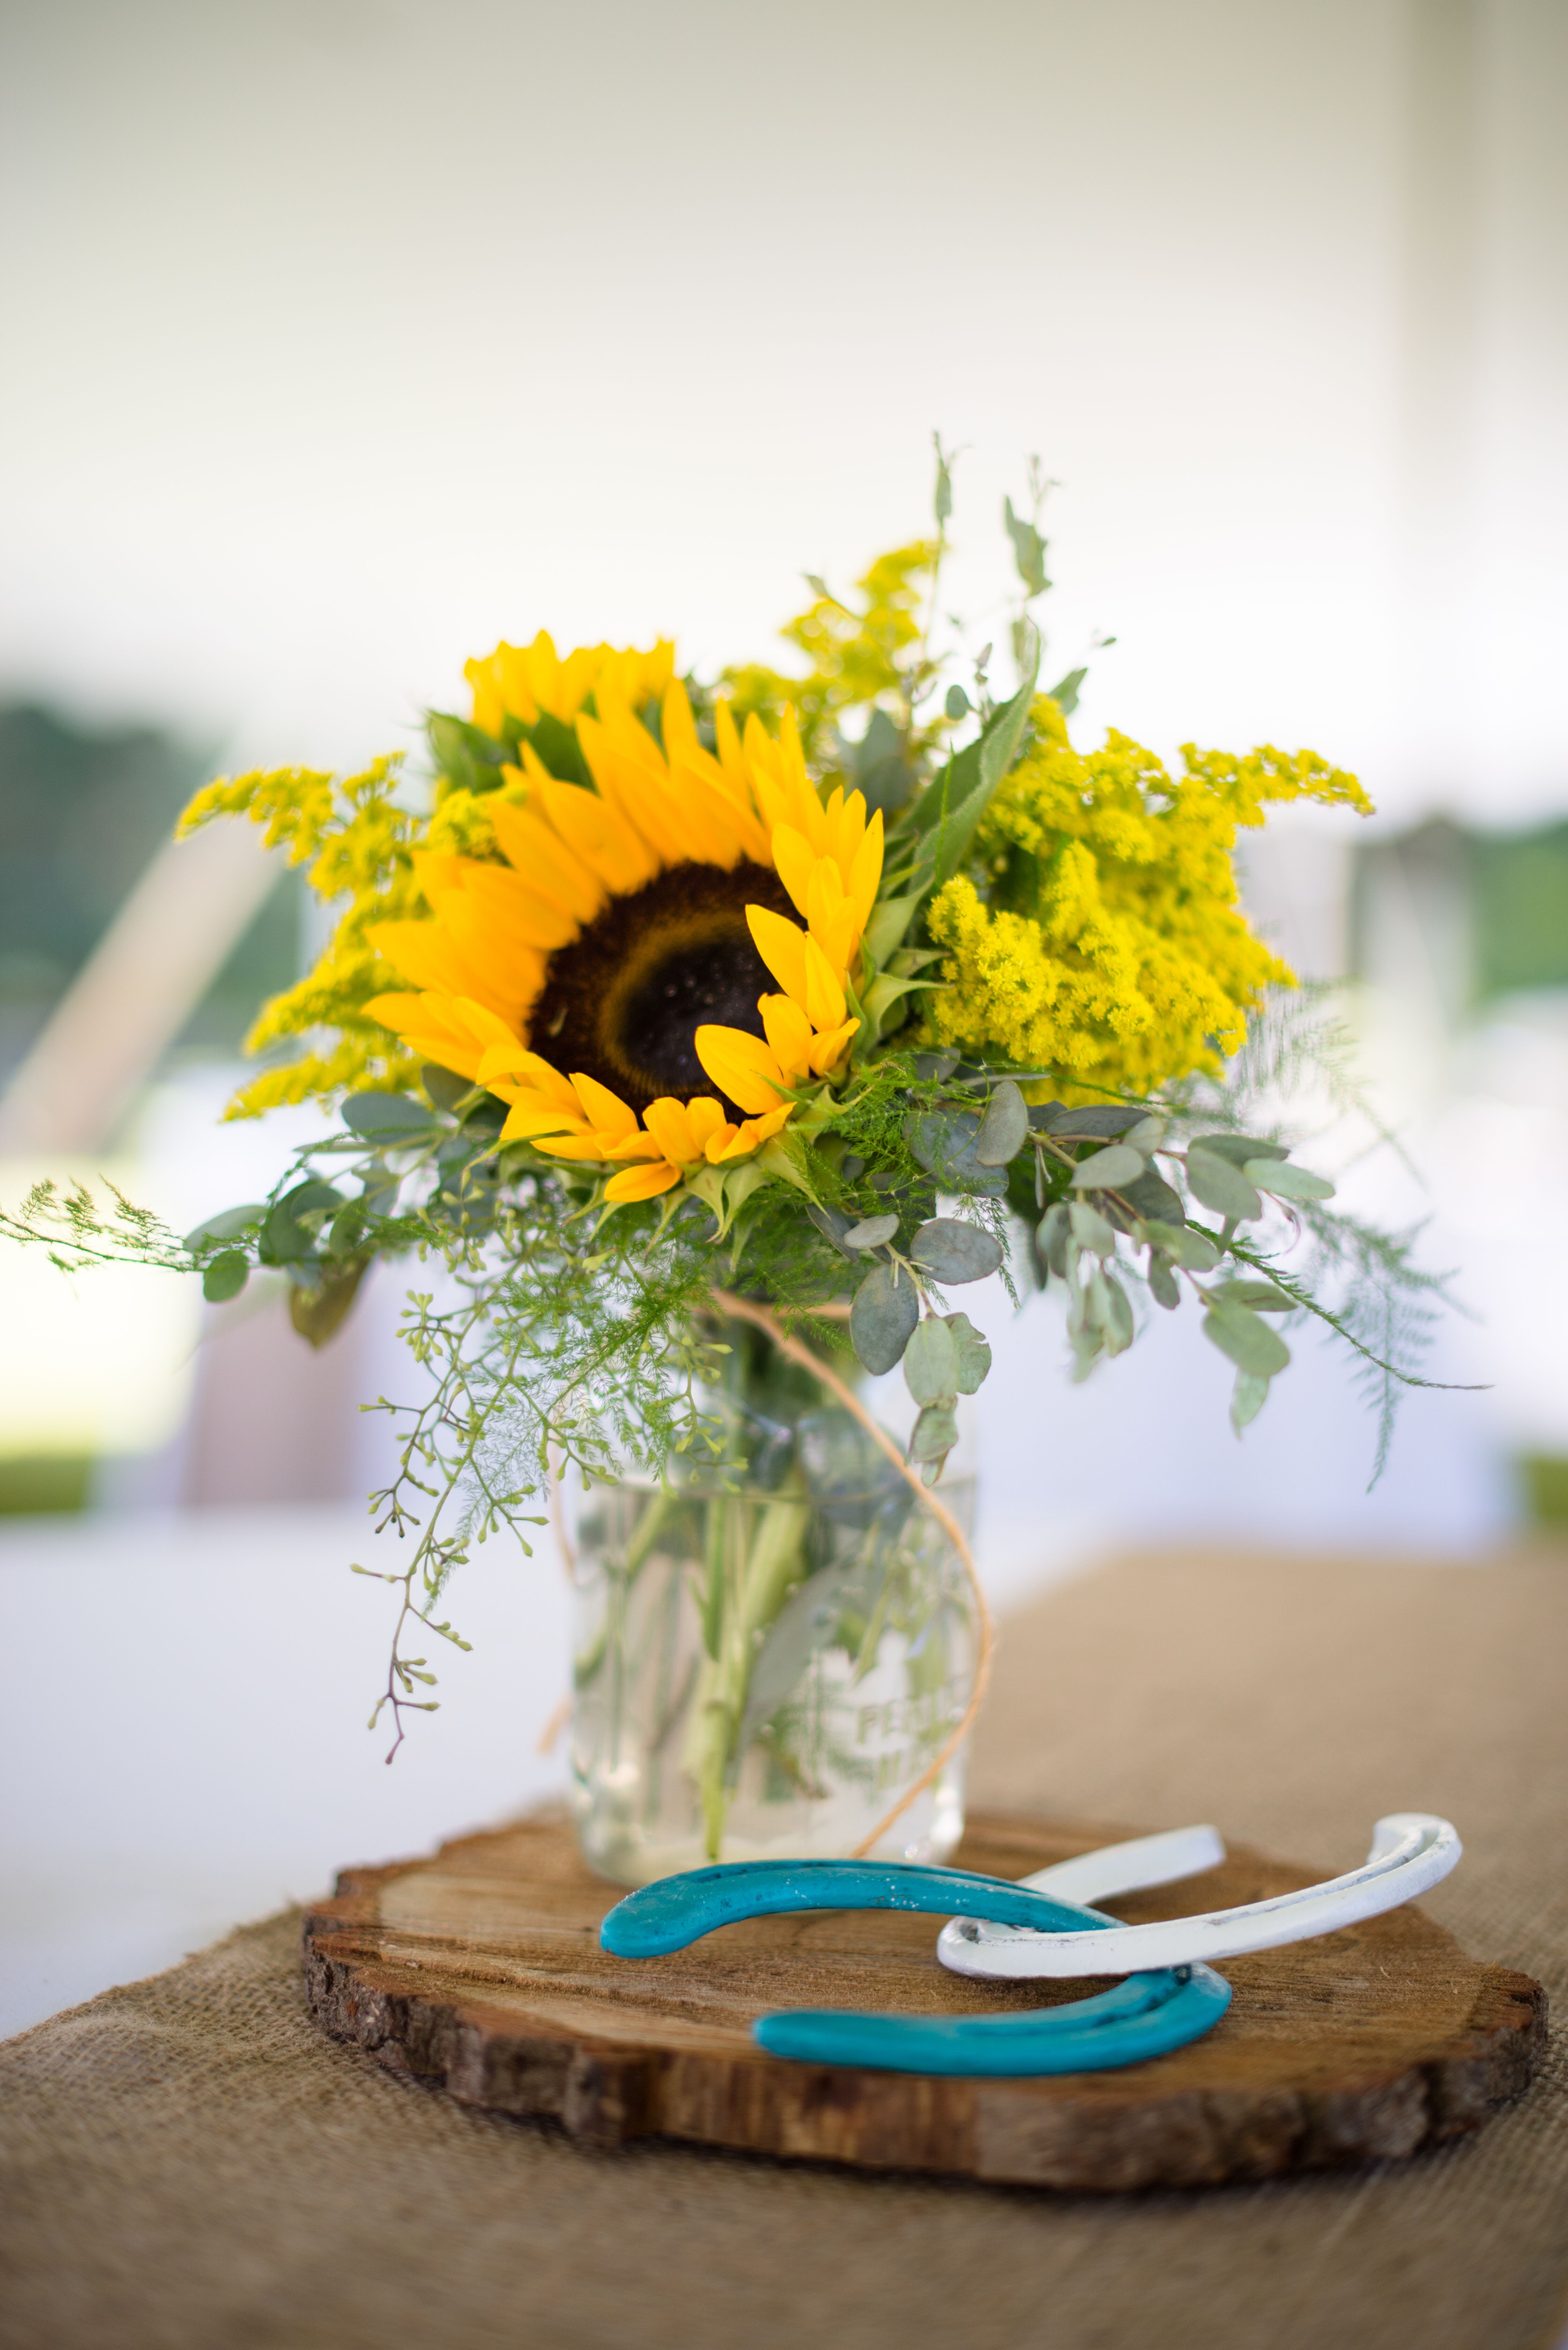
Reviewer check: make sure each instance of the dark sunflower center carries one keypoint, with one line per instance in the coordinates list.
(623, 1002)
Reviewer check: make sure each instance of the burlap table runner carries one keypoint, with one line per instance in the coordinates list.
(188, 2165)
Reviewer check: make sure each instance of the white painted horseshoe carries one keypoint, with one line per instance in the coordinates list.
(1411, 1852)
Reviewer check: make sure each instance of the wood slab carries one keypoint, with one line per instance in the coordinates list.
(479, 1973)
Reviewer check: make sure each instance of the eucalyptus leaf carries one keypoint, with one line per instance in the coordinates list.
(1260, 1295)
(1051, 1240)
(936, 1433)
(1286, 1180)
(1108, 1171)
(1111, 1311)
(931, 1363)
(285, 1239)
(1090, 1229)
(383, 1116)
(1221, 1186)
(872, 1233)
(1249, 1397)
(952, 1253)
(444, 1086)
(1098, 1123)
(957, 703)
(1237, 1148)
(971, 1353)
(1151, 1196)
(1192, 1249)
(1148, 1134)
(224, 1276)
(883, 1317)
(834, 1224)
(1252, 1345)
(227, 1225)
(1162, 1282)
(804, 1627)
(1004, 1128)
(943, 1141)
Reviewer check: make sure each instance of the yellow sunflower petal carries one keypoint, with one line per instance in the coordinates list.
(707, 1118)
(824, 995)
(742, 1066)
(829, 914)
(788, 1032)
(613, 850)
(783, 948)
(540, 857)
(642, 1182)
(572, 1146)
(864, 873)
(417, 1020)
(424, 953)
(827, 1049)
(753, 1134)
(795, 861)
(606, 1111)
(667, 1121)
(531, 1068)
(523, 915)
(528, 1118)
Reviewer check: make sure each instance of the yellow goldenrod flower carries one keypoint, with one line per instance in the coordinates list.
(574, 973)
(1109, 945)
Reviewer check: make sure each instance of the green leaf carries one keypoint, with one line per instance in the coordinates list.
(952, 803)
(557, 745)
(1191, 1249)
(1151, 1196)
(1111, 1311)
(883, 1317)
(1247, 1399)
(942, 501)
(1051, 1240)
(444, 1086)
(225, 1276)
(957, 703)
(1237, 1148)
(1004, 1128)
(1287, 1181)
(890, 917)
(936, 1433)
(1108, 1171)
(381, 1117)
(1028, 550)
(1099, 1123)
(1252, 1345)
(1090, 1229)
(1260, 1295)
(1064, 692)
(872, 1233)
(227, 1225)
(970, 1351)
(1221, 1186)
(931, 1363)
(943, 1141)
(953, 1252)
(1162, 1282)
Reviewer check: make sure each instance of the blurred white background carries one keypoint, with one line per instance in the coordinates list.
(349, 336)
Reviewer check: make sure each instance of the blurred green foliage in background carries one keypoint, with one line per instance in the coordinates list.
(83, 811)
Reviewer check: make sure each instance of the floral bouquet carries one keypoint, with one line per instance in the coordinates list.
(702, 1036)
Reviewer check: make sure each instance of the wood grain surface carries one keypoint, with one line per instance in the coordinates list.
(479, 1973)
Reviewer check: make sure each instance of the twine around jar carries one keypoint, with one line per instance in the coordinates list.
(744, 1310)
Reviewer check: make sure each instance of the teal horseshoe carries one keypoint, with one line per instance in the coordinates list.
(1147, 2015)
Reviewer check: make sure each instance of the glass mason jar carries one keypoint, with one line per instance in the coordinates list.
(771, 1650)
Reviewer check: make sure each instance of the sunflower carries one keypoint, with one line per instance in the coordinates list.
(621, 953)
